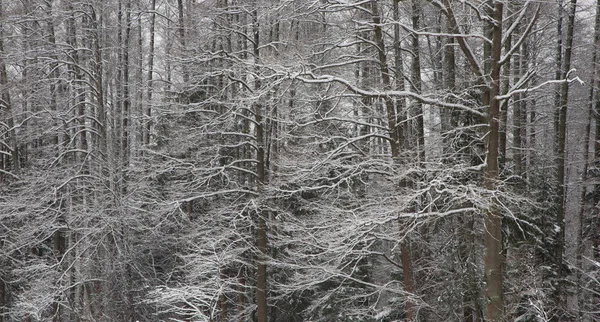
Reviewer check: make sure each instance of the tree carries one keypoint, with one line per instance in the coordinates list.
(562, 135)
(225, 160)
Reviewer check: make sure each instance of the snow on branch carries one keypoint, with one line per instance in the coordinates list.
(321, 79)
(517, 90)
(522, 38)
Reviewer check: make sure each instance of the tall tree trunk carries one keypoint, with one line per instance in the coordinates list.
(150, 76)
(517, 119)
(595, 222)
(126, 104)
(505, 89)
(99, 93)
(559, 296)
(450, 117)
(493, 259)
(79, 134)
(523, 106)
(559, 68)
(3, 286)
(261, 229)
(417, 82)
(386, 80)
(182, 40)
(584, 203)
(398, 74)
(54, 74)
(139, 84)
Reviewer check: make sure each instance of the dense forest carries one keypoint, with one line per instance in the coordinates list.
(299, 160)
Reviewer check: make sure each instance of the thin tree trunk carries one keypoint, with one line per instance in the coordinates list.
(241, 303)
(561, 160)
(182, 40)
(398, 74)
(139, 85)
(386, 80)
(493, 259)
(3, 288)
(450, 117)
(125, 46)
(595, 222)
(505, 89)
(417, 82)
(523, 65)
(98, 71)
(261, 274)
(150, 74)
(517, 120)
(53, 66)
(559, 68)
(80, 132)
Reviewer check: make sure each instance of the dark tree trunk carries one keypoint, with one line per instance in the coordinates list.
(150, 77)
(493, 259)
(261, 229)
(417, 82)
(559, 296)
(182, 40)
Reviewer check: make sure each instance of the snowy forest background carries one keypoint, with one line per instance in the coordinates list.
(299, 160)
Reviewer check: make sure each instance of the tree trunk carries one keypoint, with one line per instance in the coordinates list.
(386, 80)
(138, 128)
(150, 85)
(493, 259)
(3, 286)
(450, 117)
(398, 74)
(559, 296)
(126, 104)
(594, 229)
(584, 203)
(505, 88)
(416, 82)
(261, 229)
(182, 40)
(559, 68)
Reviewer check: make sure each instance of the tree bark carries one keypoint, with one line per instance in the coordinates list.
(261, 229)
(150, 76)
(417, 82)
(182, 40)
(126, 104)
(584, 203)
(559, 296)
(559, 68)
(504, 109)
(595, 225)
(398, 72)
(493, 258)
